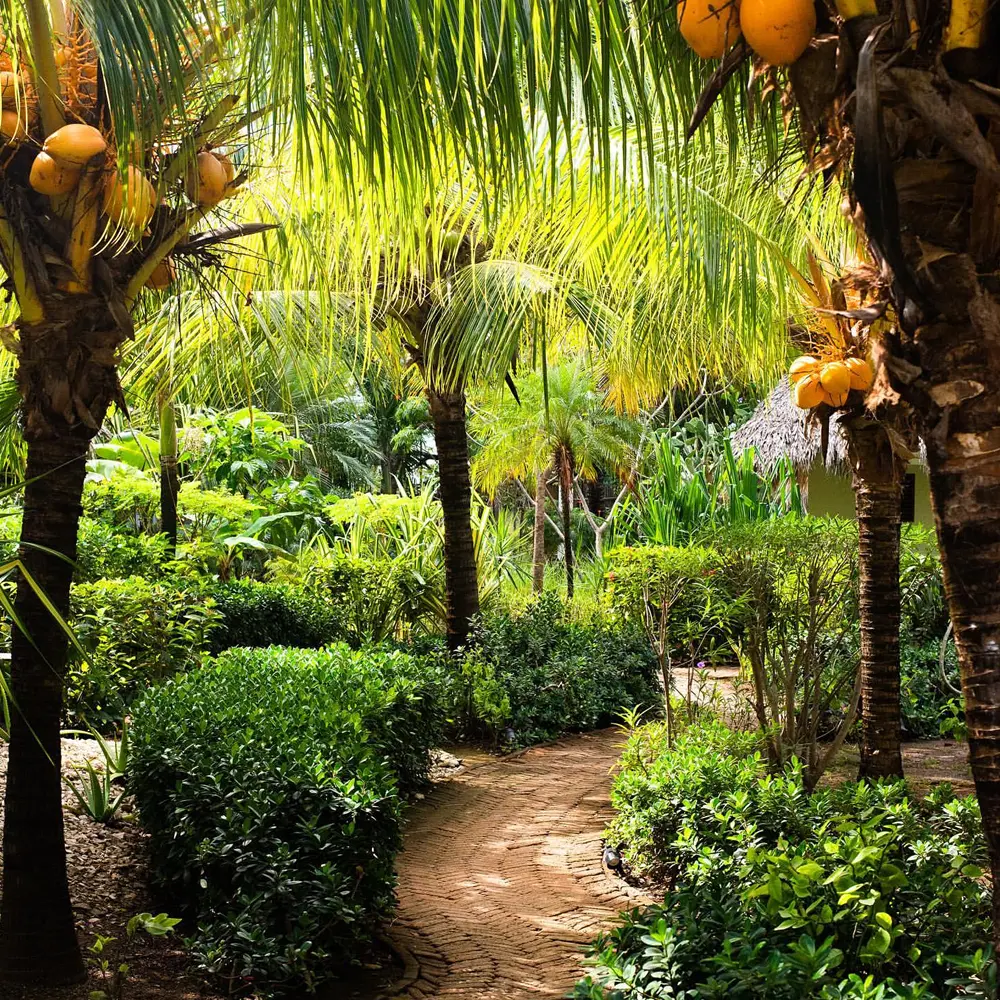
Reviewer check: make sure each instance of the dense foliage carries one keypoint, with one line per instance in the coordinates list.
(270, 783)
(133, 634)
(858, 891)
(535, 671)
(256, 614)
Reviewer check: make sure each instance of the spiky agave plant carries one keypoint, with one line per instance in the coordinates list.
(90, 216)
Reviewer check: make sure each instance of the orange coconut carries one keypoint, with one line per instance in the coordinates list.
(131, 203)
(163, 275)
(779, 31)
(801, 367)
(206, 183)
(51, 178)
(12, 126)
(862, 375)
(709, 26)
(75, 145)
(835, 378)
(808, 392)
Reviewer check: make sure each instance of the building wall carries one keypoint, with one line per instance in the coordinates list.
(830, 495)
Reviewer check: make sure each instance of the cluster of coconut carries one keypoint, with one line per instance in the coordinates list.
(779, 31)
(129, 198)
(816, 381)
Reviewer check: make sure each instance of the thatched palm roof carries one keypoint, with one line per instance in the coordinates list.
(778, 429)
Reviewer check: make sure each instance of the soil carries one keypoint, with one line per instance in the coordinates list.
(926, 763)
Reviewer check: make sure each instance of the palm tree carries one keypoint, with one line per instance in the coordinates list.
(83, 232)
(876, 442)
(928, 204)
(557, 421)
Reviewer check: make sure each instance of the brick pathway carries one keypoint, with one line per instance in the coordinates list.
(500, 880)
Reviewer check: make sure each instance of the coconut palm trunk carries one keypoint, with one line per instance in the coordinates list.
(66, 393)
(169, 478)
(926, 191)
(451, 437)
(877, 481)
(565, 464)
(538, 539)
(963, 447)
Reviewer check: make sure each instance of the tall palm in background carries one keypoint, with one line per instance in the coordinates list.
(558, 421)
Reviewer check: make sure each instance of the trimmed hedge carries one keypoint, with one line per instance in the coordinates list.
(270, 784)
(259, 615)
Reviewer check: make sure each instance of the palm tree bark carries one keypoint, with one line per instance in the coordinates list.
(945, 362)
(566, 472)
(538, 540)
(877, 480)
(37, 919)
(169, 479)
(451, 437)
(66, 385)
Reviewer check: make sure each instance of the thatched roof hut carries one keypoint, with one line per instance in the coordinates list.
(779, 429)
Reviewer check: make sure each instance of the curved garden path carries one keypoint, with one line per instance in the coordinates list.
(500, 880)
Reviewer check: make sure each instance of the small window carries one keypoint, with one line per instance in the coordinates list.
(909, 498)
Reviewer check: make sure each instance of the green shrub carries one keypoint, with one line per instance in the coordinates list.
(135, 634)
(784, 895)
(376, 599)
(539, 672)
(258, 615)
(925, 698)
(107, 553)
(269, 783)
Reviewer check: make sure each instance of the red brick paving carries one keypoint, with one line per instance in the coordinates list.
(500, 880)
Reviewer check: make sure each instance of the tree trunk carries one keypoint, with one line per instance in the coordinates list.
(538, 547)
(945, 361)
(169, 478)
(66, 393)
(37, 920)
(452, 440)
(566, 471)
(877, 481)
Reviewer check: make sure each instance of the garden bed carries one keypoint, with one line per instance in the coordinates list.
(109, 883)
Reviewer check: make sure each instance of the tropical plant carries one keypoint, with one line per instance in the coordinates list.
(879, 443)
(559, 420)
(676, 501)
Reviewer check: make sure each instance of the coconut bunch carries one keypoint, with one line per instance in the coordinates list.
(842, 315)
(778, 31)
(76, 173)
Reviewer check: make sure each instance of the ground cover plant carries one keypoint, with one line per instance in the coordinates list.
(860, 890)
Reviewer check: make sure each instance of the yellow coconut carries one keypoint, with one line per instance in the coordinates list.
(12, 127)
(227, 167)
(6, 63)
(206, 183)
(835, 398)
(808, 392)
(779, 31)
(801, 367)
(11, 89)
(862, 375)
(163, 275)
(48, 177)
(835, 378)
(709, 26)
(132, 202)
(75, 145)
